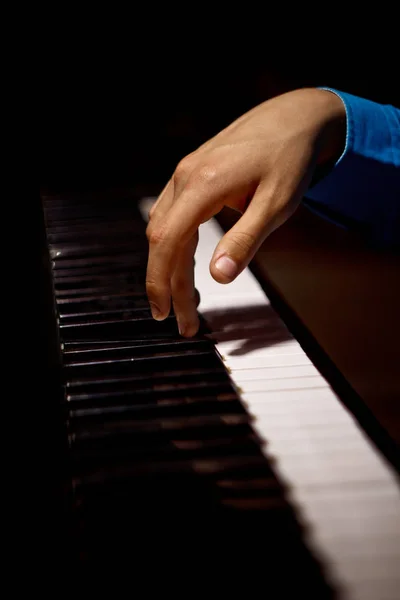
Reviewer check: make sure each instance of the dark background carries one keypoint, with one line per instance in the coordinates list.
(117, 109)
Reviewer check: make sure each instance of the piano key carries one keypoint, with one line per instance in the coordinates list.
(92, 411)
(124, 385)
(279, 373)
(122, 268)
(57, 215)
(126, 280)
(106, 261)
(115, 314)
(71, 251)
(124, 435)
(282, 384)
(119, 436)
(250, 350)
(147, 347)
(73, 307)
(151, 392)
(208, 468)
(178, 450)
(93, 230)
(124, 328)
(117, 381)
(147, 339)
(246, 364)
(134, 289)
(99, 197)
(152, 362)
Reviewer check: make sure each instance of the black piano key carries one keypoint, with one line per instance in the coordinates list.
(160, 438)
(105, 260)
(103, 275)
(72, 251)
(114, 383)
(236, 486)
(158, 342)
(73, 307)
(115, 280)
(127, 313)
(152, 362)
(262, 502)
(136, 289)
(150, 346)
(106, 231)
(83, 414)
(167, 428)
(124, 328)
(92, 411)
(172, 478)
(167, 451)
(69, 214)
(152, 393)
(158, 399)
(209, 468)
(135, 262)
(99, 197)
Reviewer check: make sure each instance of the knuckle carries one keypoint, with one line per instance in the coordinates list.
(156, 235)
(207, 174)
(244, 240)
(185, 167)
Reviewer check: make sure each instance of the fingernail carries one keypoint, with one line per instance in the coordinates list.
(155, 312)
(227, 266)
(181, 328)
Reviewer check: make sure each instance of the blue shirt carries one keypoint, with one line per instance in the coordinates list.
(362, 190)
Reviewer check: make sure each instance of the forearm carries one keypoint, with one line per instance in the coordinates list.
(363, 187)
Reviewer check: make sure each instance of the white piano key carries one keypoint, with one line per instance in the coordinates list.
(213, 305)
(281, 396)
(278, 373)
(291, 383)
(241, 364)
(249, 348)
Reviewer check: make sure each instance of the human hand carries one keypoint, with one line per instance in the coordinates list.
(261, 165)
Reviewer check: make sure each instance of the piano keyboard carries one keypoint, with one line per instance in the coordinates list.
(345, 491)
(163, 464)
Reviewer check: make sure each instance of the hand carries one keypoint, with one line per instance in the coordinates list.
(261, 165)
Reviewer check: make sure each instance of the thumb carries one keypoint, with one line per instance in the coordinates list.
(241, 242)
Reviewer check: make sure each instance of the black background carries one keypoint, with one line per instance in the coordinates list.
(121, 105)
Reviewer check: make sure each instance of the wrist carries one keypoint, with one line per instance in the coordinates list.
(333, 127)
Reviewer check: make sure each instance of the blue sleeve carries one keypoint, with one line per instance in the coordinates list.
(362, 190)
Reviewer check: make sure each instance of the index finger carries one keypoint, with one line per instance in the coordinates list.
(168, 239)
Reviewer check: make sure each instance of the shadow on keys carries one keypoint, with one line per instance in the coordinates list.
(203, 530)
(252, 327)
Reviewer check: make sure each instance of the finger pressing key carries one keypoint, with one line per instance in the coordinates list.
(184, 296)
(167, 240)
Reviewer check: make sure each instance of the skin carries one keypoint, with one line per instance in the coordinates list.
(261, 165)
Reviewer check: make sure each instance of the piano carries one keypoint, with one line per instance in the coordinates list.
(247, 459)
